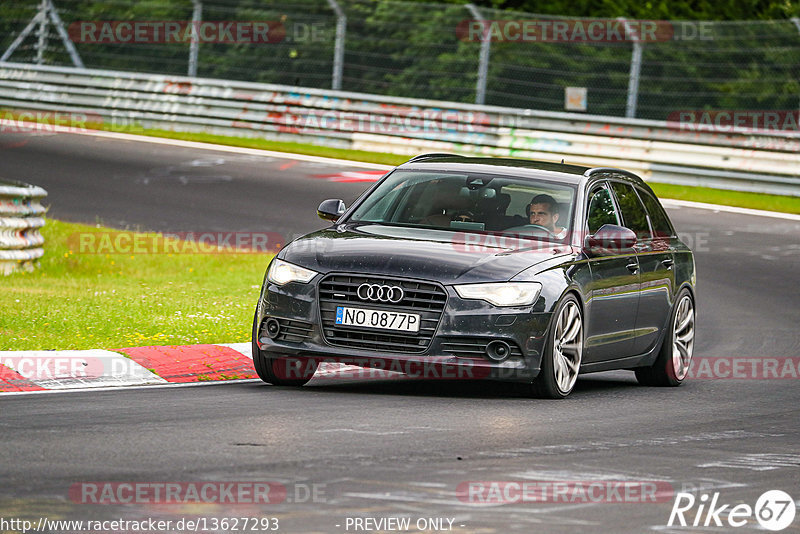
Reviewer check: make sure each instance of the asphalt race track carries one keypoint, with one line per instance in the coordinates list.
(393, 449)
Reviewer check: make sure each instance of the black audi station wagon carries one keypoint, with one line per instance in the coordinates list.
(501, 269)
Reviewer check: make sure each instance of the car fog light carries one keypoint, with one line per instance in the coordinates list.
(498, 351)
(273, 328)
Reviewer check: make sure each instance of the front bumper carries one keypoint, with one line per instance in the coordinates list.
(457, 349)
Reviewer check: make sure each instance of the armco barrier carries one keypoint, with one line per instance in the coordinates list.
(740, 159)
(20, 220)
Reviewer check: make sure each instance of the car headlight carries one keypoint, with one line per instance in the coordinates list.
(502, 293)
(282, 272)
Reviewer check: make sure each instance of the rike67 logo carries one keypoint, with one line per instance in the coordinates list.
(774, 510)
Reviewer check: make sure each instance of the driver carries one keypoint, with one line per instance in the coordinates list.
(543, 210)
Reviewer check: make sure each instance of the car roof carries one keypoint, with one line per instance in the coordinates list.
(562, 172)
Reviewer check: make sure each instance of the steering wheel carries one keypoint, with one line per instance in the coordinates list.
(533, 228)
(464, 216)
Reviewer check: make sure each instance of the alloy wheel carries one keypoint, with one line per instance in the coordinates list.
(568, 346)
(683, 338)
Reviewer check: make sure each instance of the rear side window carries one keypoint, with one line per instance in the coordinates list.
(658, 217)
(601, 210)
(633, 214)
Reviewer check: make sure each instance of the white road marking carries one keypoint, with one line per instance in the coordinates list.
(242, 348)
(570, 448)
(220, 148)
(758, 462)
(370, 432)
(667, 202)
(506, 508)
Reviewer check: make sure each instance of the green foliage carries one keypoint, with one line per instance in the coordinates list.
(655, 10)
(413, 49)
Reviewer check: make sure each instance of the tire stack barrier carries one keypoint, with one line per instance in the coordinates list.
(21, 217)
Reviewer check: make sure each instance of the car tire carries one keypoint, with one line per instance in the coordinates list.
(675, 356)
(276, 371)
(559, 367)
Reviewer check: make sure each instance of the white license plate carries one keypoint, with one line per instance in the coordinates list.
(388, 320)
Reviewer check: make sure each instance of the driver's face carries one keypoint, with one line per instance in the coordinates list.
(541, 215)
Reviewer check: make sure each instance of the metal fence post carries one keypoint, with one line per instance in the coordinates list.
(338, 49)
(483, 62)
(796, 21)
(59, 25)
(21, 37)
(636, 67)
(46, 9)
(194, 45)
(41, 33)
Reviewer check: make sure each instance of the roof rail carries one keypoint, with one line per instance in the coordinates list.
(599, 170)
(432, 155)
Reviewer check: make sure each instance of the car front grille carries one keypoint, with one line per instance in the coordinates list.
(474, 347)
(424, 298)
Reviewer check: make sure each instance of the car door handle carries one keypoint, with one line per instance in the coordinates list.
(633, 267)
(668, 262)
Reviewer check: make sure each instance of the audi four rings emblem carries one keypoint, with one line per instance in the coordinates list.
(379, 293)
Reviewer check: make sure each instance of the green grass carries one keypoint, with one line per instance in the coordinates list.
(280, 146)
(80, 301)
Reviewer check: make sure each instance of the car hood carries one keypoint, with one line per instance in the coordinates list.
(444, 256)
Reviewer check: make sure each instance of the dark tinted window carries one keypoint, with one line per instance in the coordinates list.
(658, 217)
(601, 210)
(465, 202)
(633, 214)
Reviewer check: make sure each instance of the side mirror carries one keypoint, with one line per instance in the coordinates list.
(331, 209)
(609, 240)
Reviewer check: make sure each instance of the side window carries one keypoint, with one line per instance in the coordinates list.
(633, 214)
(601, 210)
(658, 217)
(387, 206)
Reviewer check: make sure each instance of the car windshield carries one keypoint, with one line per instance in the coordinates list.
(462, 202)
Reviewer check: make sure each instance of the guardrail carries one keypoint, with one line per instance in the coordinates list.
(740, 159)
(20, 220)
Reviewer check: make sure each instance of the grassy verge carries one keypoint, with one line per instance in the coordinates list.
(82, 301)
(281, 146)
(758, 201)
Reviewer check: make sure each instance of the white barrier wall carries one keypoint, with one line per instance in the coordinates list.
(659, 151)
